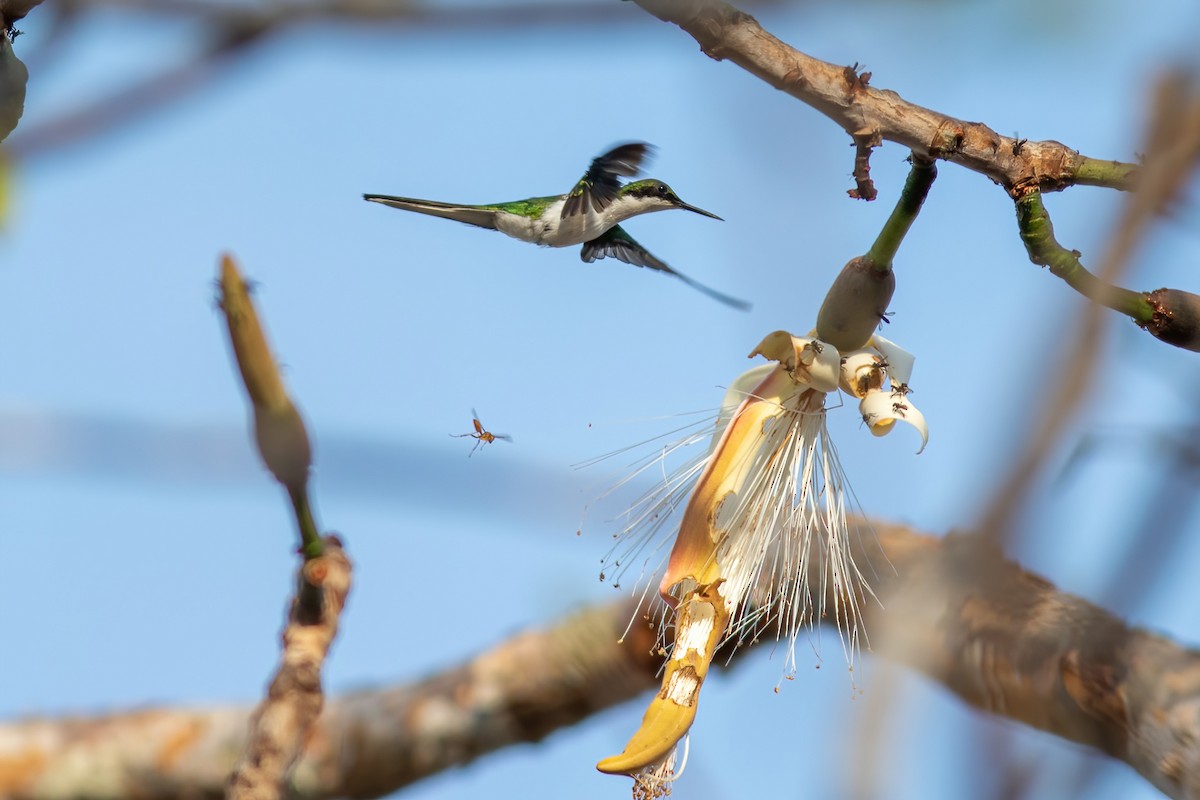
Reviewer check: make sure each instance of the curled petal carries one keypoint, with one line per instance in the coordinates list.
(775, 346)
(863, 371)
(881, 409)
(809, 361)
(700, 625)
(900, 361)
(826, 366)
(741, 388)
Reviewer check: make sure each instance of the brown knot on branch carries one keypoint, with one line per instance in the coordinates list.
(864, 142)
(280, 726)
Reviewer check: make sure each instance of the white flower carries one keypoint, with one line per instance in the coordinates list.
(863, 375)
(764, 544)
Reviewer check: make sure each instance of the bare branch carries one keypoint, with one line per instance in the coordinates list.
(724, 32)
(132, 101)
(232, 30)
(1003, 639)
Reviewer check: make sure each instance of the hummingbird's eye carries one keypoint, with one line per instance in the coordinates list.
(663, 190)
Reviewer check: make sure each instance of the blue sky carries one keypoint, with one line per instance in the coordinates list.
(128, 478)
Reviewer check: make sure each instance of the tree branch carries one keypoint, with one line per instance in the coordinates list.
(870, 114)
(1003, 639)
(1023, 168)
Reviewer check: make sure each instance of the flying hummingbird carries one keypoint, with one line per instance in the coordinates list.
(588, 214)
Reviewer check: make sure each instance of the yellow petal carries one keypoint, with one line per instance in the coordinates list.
(701, 620)
(694, 553)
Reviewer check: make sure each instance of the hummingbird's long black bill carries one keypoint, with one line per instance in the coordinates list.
(696, 209)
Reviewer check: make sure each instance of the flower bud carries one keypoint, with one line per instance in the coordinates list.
(854, 305)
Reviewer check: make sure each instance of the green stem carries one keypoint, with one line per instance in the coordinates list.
(1037, 233)
(310, 540)
(1110, 174)
(916, 188)
(309, 598)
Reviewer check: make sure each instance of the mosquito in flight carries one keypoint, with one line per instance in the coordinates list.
(481, 434)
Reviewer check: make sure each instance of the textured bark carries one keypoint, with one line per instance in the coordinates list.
(1006, 641)
(280, 726)
(872, 115)
(1003, 639)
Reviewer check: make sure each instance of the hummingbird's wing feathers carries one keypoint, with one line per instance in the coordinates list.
(480, 216)
(618, 244)
(598, 187)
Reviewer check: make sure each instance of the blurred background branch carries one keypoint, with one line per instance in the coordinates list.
(1003, 639)
(232, 31)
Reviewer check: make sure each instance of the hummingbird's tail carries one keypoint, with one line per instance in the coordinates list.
(471, 215)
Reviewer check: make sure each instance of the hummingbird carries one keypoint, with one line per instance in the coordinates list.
(588, 214)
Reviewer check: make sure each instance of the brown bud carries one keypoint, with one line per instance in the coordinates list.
(283, 444)
(1176, 318)
(278, 427)
(855, 304)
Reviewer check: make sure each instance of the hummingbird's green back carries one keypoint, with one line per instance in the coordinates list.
(532, 207)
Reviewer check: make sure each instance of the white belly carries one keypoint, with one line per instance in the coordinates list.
(550, 230)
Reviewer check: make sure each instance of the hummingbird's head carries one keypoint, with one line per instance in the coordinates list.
(654, 195)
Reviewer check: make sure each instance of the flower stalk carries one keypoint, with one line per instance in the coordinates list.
(912, 197)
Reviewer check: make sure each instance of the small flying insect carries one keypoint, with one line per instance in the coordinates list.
(481, 434)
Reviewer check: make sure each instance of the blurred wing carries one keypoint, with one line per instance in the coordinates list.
(618, 244)
(599, 185)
